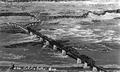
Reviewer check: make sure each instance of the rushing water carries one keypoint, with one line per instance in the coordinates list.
(98, 39)
(30, 53)
(101, 42)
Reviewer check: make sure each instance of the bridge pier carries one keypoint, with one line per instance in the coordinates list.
(34, 36)
(46, 44)
(50, 69)
(85, 65)
(40, 39)
(54, 47)
(94, 69)
(79, 61)
(100, 71)
(31, 33)
(63, 53)
(32, 18)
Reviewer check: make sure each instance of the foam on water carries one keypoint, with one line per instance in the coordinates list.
(60, 55)
(11, 56)
(103, 17)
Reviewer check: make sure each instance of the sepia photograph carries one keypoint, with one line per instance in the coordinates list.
(59, 35)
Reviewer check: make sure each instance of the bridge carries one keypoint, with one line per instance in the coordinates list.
(15, 27)
(6, 14)
(86, 61)
(81, 60)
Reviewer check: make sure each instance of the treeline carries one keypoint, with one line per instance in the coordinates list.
(38, 0)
